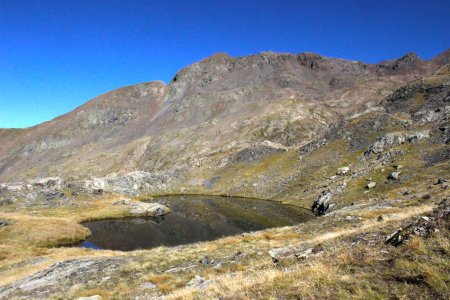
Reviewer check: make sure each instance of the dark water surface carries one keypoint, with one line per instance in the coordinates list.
(192, 219)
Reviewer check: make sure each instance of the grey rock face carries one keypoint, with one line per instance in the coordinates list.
(43, 191)
(133, 183)
(57, 278)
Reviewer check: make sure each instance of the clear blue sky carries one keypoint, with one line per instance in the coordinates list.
(56, 55)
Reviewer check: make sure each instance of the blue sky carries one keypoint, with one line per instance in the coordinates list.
(56, 55)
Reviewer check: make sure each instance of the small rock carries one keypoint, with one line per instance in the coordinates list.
(148, 286)
(371, 185)
(218, 266)
(122, 202)
(441, 180)
(304, 253)
(343, 171)
(395, 238)
(97, 192)
(198, 282)
(351, 219)
(238, 255)
(4, 223)
(204, 260)
(406, 192)
(394, 176)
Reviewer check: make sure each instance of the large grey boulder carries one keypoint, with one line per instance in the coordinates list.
(323, 204)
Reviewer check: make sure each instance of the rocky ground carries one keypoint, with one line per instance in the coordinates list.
(365, 147)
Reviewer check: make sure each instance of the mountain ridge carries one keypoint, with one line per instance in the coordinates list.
(218, 89)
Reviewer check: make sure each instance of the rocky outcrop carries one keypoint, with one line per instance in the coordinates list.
(421, 226)
(298, 252)
(394, 139)
(43, 191)
(148, 209)
(198, 282)
(56, 278)
(134, 183)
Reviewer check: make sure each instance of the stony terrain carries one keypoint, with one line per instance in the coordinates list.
(364, 146)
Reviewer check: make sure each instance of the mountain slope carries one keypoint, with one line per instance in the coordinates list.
(209, 110)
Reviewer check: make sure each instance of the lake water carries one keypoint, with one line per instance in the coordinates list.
(192, 219)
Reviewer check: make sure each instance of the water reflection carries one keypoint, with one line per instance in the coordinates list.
(193, 219)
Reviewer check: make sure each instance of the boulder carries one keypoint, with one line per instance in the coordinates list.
(277, 253)
(323, 204)
(148, 209)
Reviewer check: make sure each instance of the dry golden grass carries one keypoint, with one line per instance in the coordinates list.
(342, 272)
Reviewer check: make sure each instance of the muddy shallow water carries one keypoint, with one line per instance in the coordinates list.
(192, 219)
